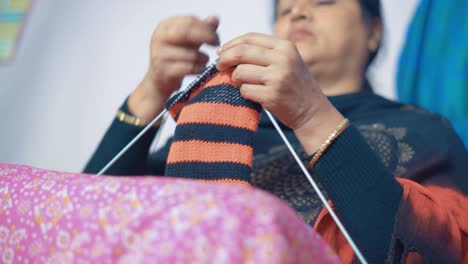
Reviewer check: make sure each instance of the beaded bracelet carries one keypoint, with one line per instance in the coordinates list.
(338, 130)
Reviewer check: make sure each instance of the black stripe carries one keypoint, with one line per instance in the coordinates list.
(209, 171)
(213, 133)
(224, 93)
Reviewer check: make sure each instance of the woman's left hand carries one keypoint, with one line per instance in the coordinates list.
(270, 71)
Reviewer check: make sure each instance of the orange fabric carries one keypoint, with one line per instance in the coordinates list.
(219, 78)
(207, 113)
(329, 231)
(440, 211)
(465, 248)
(189, 151)
(229, 181)
(180, 105)
(414, 257)
(457, 206)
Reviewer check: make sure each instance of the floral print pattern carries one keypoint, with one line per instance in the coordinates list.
(56, 217)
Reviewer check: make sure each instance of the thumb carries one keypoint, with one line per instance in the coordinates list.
(213, 21)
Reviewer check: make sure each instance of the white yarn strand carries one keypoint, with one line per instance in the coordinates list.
(317, 190)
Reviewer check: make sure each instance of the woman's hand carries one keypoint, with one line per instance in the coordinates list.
(271, 72)
(174, 53)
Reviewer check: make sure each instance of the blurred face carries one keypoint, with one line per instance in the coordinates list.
(330, 35)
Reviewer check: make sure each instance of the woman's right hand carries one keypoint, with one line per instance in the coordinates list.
(174, 53)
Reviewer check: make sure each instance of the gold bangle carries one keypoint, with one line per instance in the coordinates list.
(132, 120)
(338, 130)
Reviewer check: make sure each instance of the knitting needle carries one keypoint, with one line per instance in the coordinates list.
(317, 190)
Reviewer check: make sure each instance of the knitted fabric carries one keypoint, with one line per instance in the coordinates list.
(213, 139)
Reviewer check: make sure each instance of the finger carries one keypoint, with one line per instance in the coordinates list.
(257, 39)
(249, 74)
(213, 21)
(244, 54)
(192, 31)
(176, 53)
(254, 92)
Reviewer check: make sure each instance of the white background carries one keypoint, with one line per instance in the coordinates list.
(78, 60)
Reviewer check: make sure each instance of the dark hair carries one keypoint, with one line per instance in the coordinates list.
(370, 10)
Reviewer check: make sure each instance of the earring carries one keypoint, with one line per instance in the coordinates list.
(373, 45)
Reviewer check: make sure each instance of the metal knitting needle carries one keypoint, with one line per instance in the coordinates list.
(316, 188)
(211, 69)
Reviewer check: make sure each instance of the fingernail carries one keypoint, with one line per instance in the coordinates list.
(219, 50)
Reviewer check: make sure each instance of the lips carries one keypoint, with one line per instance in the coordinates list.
(299, 33)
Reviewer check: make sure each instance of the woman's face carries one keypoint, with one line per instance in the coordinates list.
(330, 35)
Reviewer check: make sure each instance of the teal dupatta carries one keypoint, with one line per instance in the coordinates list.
(433, 67)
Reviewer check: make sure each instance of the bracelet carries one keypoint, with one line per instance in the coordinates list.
(338, 130)
(132, 120)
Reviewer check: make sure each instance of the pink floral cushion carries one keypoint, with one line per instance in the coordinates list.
(57, 217)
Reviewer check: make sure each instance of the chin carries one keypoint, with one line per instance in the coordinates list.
(311, 60)
(308, 53)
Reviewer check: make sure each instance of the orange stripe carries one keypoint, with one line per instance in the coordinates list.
(175, 109)
(220, 114)
(228, 181)
(221, 77)
(210, 152)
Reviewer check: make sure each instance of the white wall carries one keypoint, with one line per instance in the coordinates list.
(397, 15)
(79, 59)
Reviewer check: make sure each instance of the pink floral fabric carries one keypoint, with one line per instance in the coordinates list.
(56, 217)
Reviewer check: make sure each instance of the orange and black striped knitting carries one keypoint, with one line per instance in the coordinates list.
(213, 139)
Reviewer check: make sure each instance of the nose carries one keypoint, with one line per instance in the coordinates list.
(299, 11)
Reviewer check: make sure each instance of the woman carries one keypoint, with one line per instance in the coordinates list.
(310, 75)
